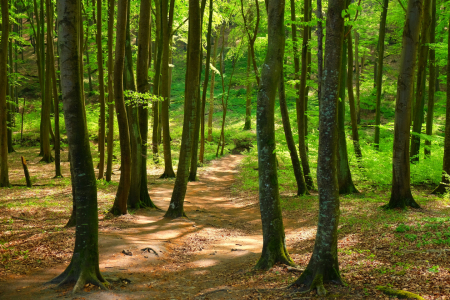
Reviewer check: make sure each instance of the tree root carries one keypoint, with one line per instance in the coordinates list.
(399, 293)
(315, 280)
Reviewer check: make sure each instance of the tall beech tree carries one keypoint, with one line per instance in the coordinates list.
(211, 90)
(120, 202)
(4, 176)
(379, 73)
(420, 83)
(401, 189)
(445, 181)
(432, 82)
(101, 97)
(323, 266)
(110, 138)
(84, 266)
(192, 99)
(274, 242)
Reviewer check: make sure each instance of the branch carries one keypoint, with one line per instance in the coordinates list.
(401, 4)
(179, 26)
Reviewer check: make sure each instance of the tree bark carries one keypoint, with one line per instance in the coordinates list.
(110, 148)
(120, 202)
(401, 190)
(248, 102)
(84, 266)
(4, 176)
(357, 77)
(211, 91)
(190, 106)
(156, 80)
(323, 266)
(379, 73)
(274, 245)
(420, 84)
(319, 48)
(101, 89)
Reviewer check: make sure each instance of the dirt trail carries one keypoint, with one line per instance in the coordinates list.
(188, 257)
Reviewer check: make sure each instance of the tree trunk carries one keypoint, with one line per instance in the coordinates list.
(84, 266)
(110, 148)
(379, 73)
(166, 24)
(248, 103)
(211, 91)
(10, 106)
(252, 38)
(401, 190)
(101, 88)
(323, 266)
(298, 172)
(46, 106)
(445, 182)
(190, 106)
(120, 202)
(358, 115)
(432, 83)
(301, 121)
(421, 79)
(351, 98)
(319, 47)
(274, 245)
(156, 80)
(4, 176)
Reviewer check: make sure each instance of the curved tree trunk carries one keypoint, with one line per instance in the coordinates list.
(190, 107)
(379, 73)
(274, 245)
(4, 176)
(120, 202)
(84, 266)
(323, 266)
(401, 190)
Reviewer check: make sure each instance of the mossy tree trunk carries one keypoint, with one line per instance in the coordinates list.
(420, 84)
(101, 89)
(166, 25)
(274, 245)
(176, 209)
(143, 58)
(120, 202)
(379, 73)
(301, 100)
(401, 190)
(4, 176)
(110, 148)
(445, 182)
(84, 266)
(323, 266)
(432, 82)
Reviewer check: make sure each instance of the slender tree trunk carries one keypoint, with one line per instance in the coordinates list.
(445, 181)
(432, 83)
(205, 85)
(101, 88)
(120, 202)
(379, 74)
(357, 77)
(84, 266)
(110, 148)
(298, 172)
(319, 48)
(248, 103)
(401, 190)
(156, 80)
(46, 106)
(252, 38)
(166, 24)
(10, 106)
(4, 176)
(211, 91)
(301, 108)
(323, 266)
(274, 242)
(351, 98)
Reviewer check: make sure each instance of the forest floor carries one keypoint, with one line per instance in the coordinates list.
(211, 254)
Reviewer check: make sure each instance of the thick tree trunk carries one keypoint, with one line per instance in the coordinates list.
(401, 190)
(379, 73)
(166, 25)
(101, 89)
(301, 108)
(445, 182)
(432, 83)
(190, 107)
(84, 266)
(274, 245)
(323, 266)
(211, 91)
(420, 85)
(110, 148)
(4, 176)
(298, 172)
(120, 202)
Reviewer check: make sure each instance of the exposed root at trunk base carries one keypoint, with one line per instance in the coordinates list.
(174, 214)
(165, 175)
(270, 257)
(80, 276)
(310, 280)
(399, 293)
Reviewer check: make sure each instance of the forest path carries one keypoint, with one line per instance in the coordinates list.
(196, 255)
